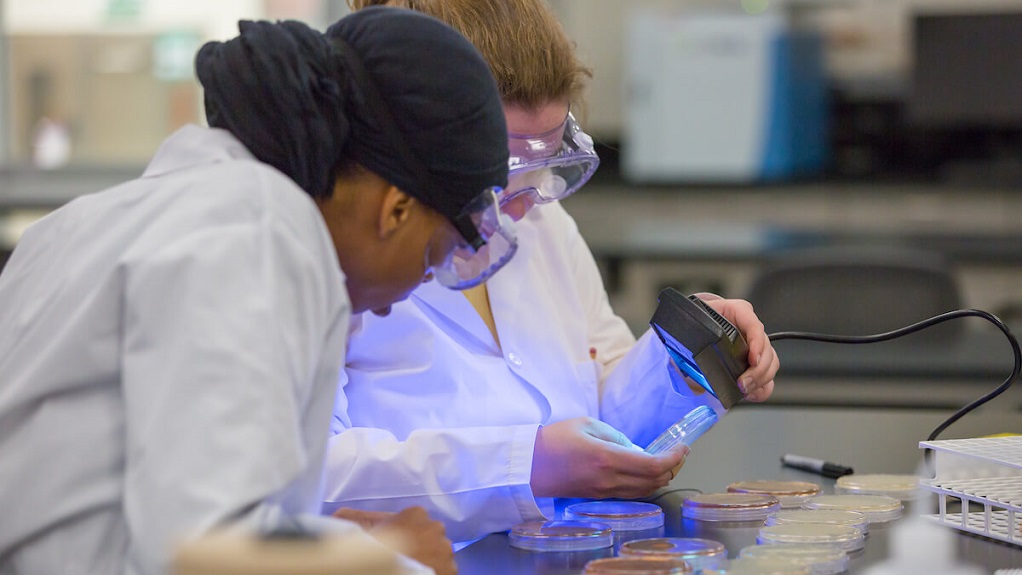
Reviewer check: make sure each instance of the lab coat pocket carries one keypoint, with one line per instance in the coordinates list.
(588, 378)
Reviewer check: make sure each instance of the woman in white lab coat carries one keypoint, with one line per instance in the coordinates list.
(170, 347)
(482, 405)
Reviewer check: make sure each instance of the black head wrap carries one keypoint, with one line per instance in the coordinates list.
(304, 102)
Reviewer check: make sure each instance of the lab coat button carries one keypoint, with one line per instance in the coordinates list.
(514, 359)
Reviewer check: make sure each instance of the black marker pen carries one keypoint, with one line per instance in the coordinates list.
(818, 466)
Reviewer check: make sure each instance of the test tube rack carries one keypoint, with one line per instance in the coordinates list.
(982, 472)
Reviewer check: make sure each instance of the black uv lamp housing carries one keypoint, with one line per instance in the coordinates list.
(704, 344)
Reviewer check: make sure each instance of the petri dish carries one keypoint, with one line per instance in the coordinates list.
(739, 507)
(791, 494)
(762, 566)
(901, 487)
(620, 515)
(827, 516)
(876, 508)
(821, 559)
(842, 537)
(560, 536)
(686, 431)
(700, 553)
(637, 566)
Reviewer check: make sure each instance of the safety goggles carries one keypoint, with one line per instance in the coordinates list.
(550, 166)
(458, 263)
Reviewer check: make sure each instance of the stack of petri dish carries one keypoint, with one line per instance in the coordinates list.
(821, 559)
(762, 566)
(560, 536)
(876, 508)
(699, 553)
(826, 516)
(843, 537)
(901, 487)
(791, 494)
(637, 566)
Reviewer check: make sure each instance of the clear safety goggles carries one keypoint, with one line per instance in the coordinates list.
(550, 166)
(460, 263)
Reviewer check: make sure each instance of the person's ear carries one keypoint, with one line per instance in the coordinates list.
(395, 211)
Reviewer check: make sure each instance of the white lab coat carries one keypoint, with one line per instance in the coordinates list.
(434, 413)
(169, 351)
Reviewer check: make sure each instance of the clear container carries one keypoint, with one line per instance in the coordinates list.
(620, 515)
(826, 516)
(686, 431)
(762, 566)
(740, 507)
(700, 553)
(821, 559)
(561, 536)
(843, 537)
(876, 508)
(901, 487)
(791, 494)
(637, 566)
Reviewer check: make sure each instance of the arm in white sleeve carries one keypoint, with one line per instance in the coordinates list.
(474, 479)
(224, 384)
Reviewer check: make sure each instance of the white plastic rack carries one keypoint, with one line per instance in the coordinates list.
(986, 471)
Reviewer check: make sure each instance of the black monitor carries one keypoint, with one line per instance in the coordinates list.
(967, 72)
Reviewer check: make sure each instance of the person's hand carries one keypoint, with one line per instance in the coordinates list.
(411, 532)
(757, 383)
(585, 457)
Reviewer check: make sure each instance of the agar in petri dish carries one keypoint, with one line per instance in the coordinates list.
(902, 487)
(827, 516)
(762, 566)
(739, 507)
(791, 494)
(876, 508)
(821, 559)
(620, 515)
(560, 536)
(637, 566)
(842, 537)
(700, 553)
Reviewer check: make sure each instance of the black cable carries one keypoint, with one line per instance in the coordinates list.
(781, 335)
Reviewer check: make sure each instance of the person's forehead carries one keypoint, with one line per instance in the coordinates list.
(532, 121)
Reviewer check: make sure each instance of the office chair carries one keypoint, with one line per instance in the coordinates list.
(856, 290)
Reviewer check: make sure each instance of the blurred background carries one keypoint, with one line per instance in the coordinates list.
(857, 142)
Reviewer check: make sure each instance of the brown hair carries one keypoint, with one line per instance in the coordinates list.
(529, 54)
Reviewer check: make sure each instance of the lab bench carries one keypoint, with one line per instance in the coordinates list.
(747, 444)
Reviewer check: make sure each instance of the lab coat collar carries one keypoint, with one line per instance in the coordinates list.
(192, 146)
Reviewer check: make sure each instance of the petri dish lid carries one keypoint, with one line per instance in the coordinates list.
(637, 566)
(902, 487)
(729, 506)
(685, 431)
(561, 536)
(681, 547)
(620, 515)
(821, 559)
(837, 536)
(876, 508)
(828, 516)
(761, 566)
(789, 493)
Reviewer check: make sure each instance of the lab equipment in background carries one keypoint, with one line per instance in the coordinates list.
(791, 494)
(299, 553)
(722, 96)
(986, 471)
(561, 536)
